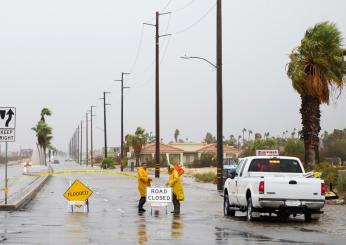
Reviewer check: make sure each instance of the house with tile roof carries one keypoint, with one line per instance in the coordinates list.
(184, 153)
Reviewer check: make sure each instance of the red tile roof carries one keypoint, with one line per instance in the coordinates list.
(150, 149)
(212, 148)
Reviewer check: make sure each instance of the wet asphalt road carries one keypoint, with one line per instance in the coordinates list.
(113, 218)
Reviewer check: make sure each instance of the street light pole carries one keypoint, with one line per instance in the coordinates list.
(122, 119)
(219, 112)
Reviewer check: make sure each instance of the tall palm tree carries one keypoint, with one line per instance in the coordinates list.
(239, 137)
(244, 130)
(317, 67)
(44, 136)
(45, 112)
(250, 132)
(176, 135)
(137, 141)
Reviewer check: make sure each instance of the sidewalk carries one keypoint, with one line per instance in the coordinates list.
(21, 188)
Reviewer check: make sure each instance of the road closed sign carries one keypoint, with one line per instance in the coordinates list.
(78, 192)
(159, 195)
(7, 124)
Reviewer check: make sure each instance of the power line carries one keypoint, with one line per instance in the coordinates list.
(138, 49)
(184, 7)
(195, 23)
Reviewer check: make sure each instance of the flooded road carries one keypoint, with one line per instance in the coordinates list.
(113, 218)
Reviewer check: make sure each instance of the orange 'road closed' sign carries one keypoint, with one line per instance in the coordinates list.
(78, 192)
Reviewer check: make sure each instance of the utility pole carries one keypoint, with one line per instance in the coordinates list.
(81, 142)
(86, 138)
(91, 136)
(122, 119)
(78, 160)
(219, 115)
(105, 121)
(157, 91)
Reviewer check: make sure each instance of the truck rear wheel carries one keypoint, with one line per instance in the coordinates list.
(249, 210)
(226, 207)
(309, 217)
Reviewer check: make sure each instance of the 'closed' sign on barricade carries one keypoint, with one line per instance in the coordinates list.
(159, 195)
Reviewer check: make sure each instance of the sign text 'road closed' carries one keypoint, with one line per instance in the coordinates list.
(78, 192)
(159, 195)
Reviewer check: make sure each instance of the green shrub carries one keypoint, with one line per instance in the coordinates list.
(206, 160)
(208, 177)
(108, 163)
(329, 175)
(341, 183)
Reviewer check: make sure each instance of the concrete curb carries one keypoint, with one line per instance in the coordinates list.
(25, 196)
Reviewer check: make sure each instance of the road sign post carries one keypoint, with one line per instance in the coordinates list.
(78, 195)
(7, 134)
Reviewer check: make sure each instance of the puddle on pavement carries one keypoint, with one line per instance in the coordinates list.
(225, 234)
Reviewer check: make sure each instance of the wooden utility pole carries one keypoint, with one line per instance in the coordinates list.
(91, 136)
(86, 138)
(219, 115)
(157, 91)
(122, 119)
(81, 142)
(105, 122)
(78, 158)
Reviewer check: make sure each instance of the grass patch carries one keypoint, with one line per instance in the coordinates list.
(207, 177)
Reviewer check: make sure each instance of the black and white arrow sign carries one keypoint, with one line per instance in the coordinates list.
(7, 124)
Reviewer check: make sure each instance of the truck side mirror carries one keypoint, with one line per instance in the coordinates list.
(232, 174)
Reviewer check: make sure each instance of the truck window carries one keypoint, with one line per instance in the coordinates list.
(239, 168)
(242, 169)
(275, 166)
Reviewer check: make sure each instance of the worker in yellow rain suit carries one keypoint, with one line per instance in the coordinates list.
(143, 183)
(177, 187)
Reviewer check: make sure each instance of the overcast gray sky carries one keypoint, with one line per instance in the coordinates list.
(63, 53)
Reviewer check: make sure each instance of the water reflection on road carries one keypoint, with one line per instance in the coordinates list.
(113, 219)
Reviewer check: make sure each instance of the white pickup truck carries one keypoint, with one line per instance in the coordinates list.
(267, 184)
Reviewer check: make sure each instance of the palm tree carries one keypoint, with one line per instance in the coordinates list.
(244, 130)
(45, 112)
(258, 136)
(137, 141)
(176, 135)
(250, 132)
(44, 136)
(293, 134)
(266, 135)
(239, 137)
(316, 68)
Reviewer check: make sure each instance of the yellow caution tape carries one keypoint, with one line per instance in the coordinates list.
(90, 171)
(6, 190)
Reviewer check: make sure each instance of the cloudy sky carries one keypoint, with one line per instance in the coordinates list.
(62, 54)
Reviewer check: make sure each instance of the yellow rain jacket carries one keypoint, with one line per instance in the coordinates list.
(143, 181)
(176, 184)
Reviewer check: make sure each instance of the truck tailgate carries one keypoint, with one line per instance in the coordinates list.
(292, 188)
